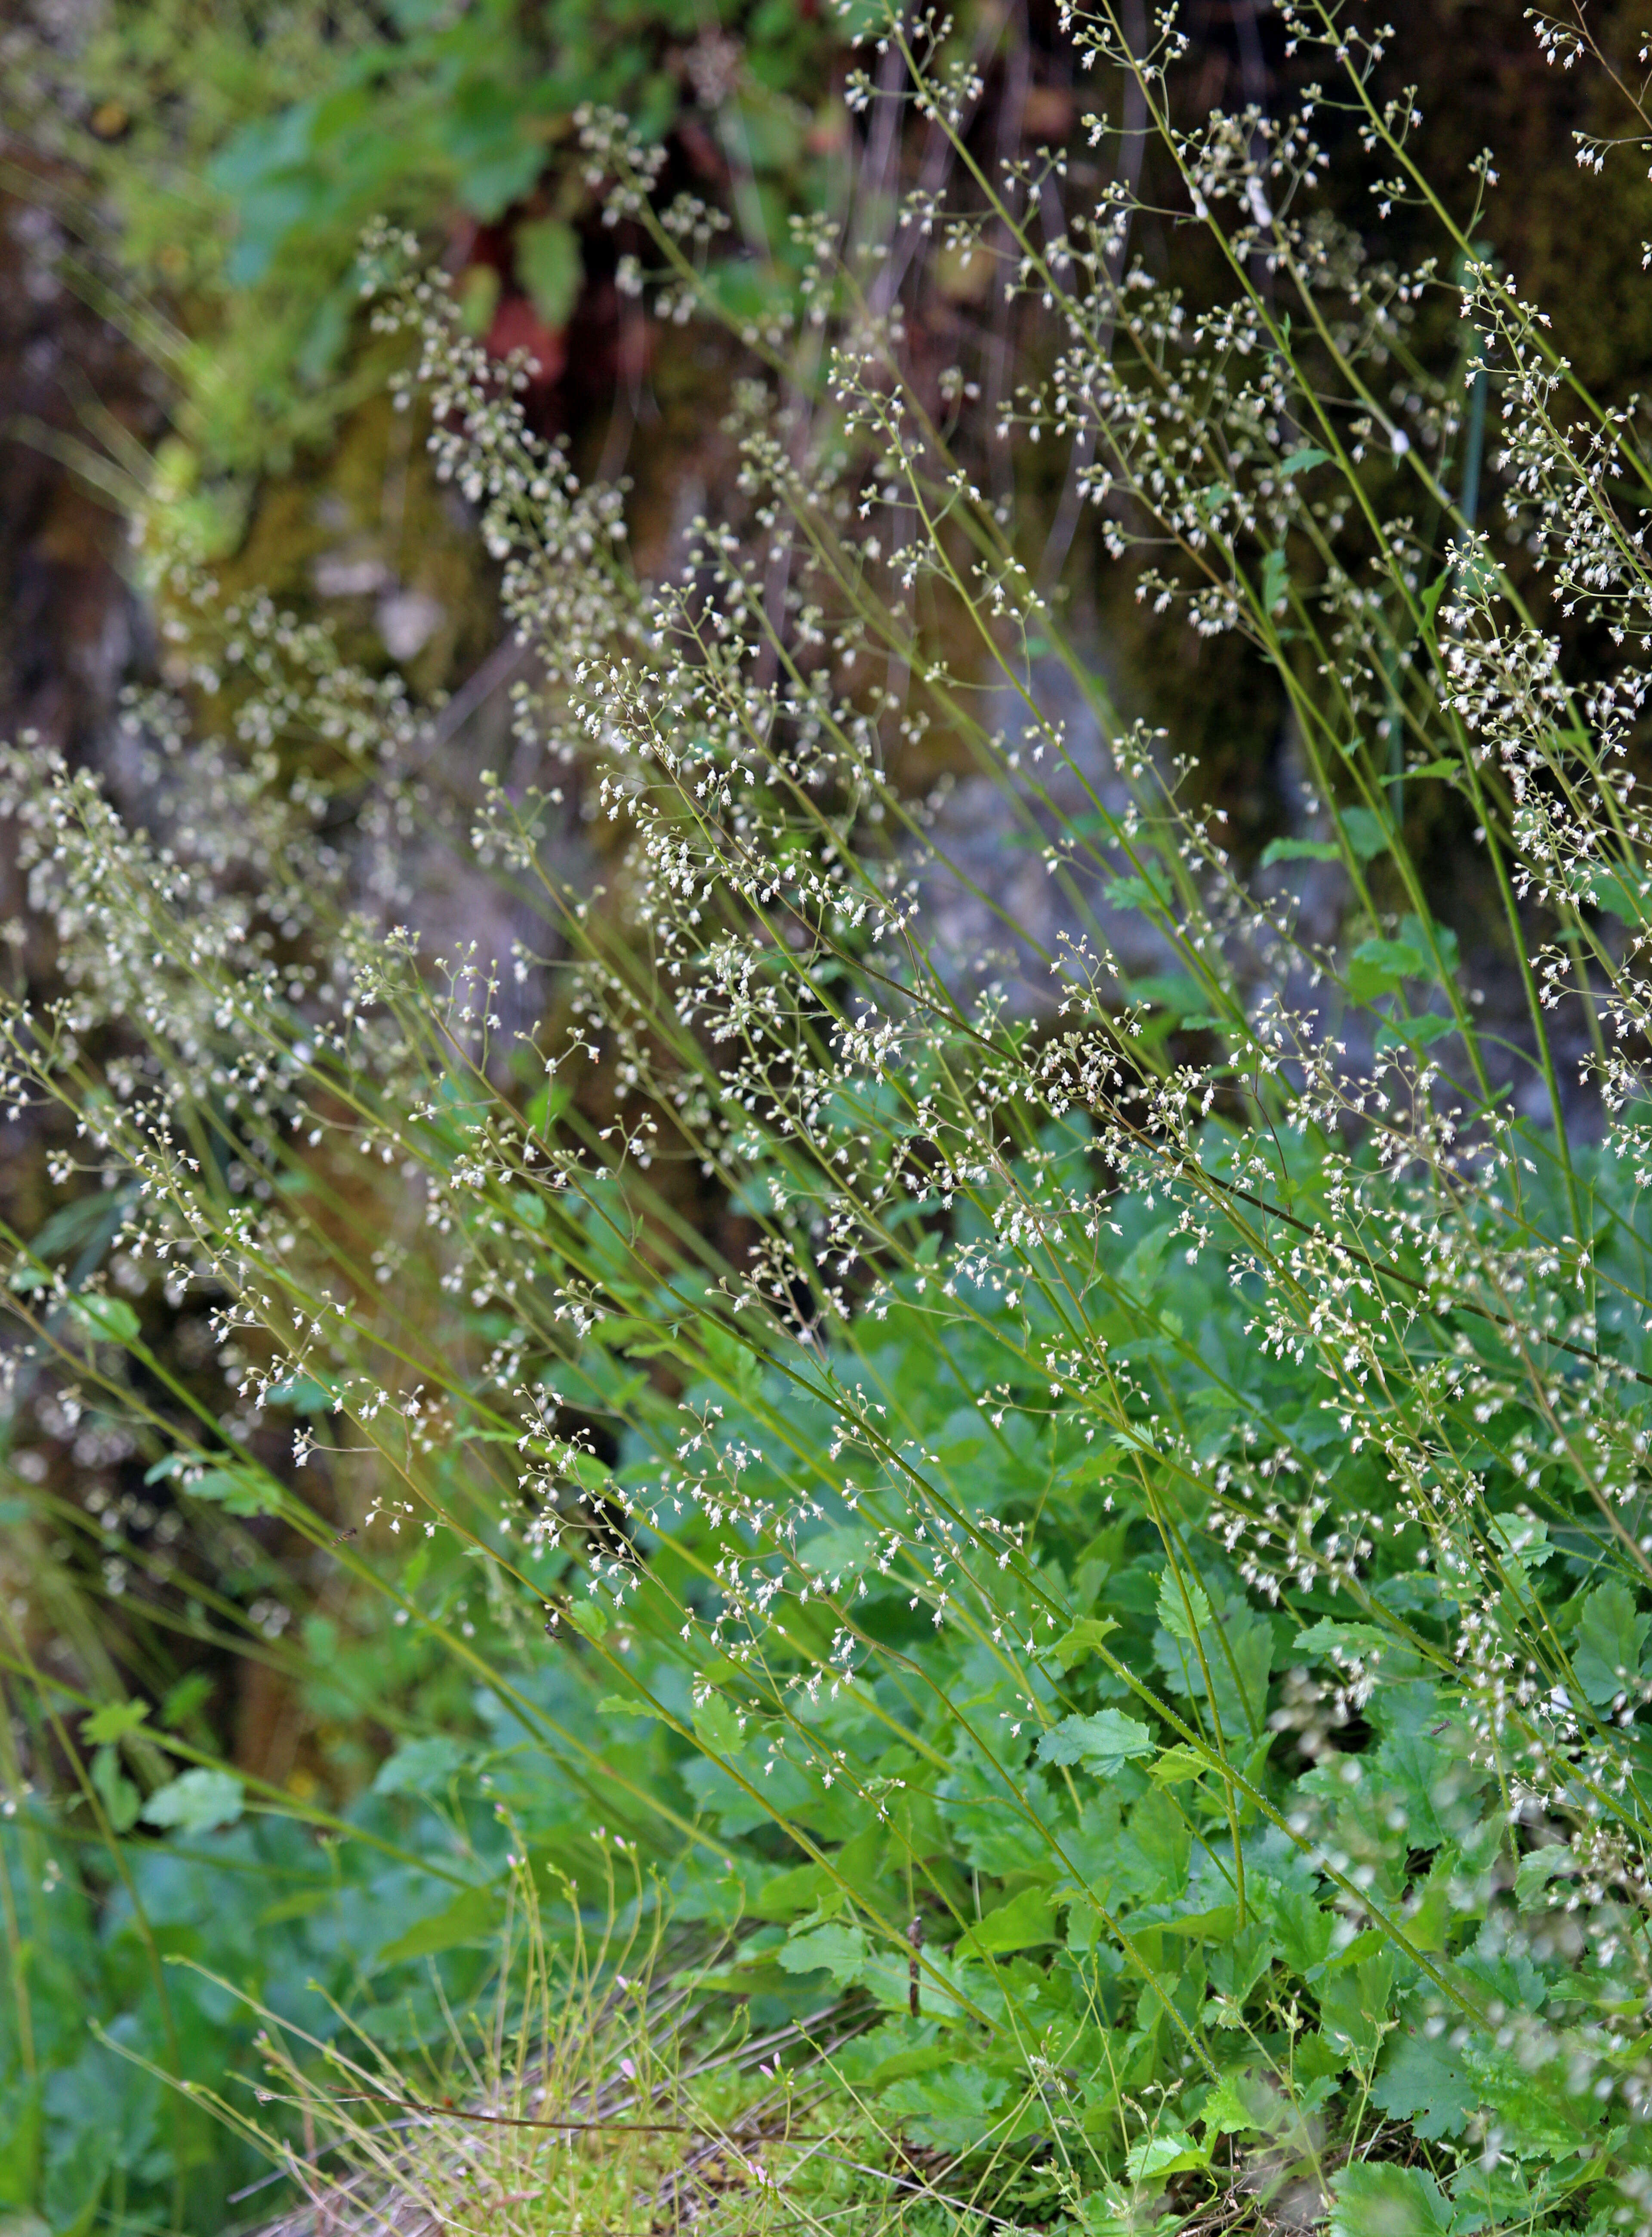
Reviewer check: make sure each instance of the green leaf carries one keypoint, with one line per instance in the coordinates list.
(1231, 1654)
(1628, 898)
(237, 1490)
(953, 2108)
(618, 1704)
(105, 1320)
(1343, 1642)
(1242, 1682)
(301, 1394)
(1169, 991)
(734, 1361)
(1522, 1539)
(1380, 2200)
(1422, 2080)
(1084, 1638)
(471, 1918)
(1174, 1602)
(1208, 1927)
(1224, 2113)
(1367, 834)
(20, 2142)
(1353, 2005)
(1535, 1871)
(793, 1894)
(1610, 1635)
(1415, 1033)
(1299, 850)
(1300, 461)
(121, 1800)
(1431, 939)
(113, 1721)
(418, 1766)
(1160, 1845)
(1238, 1964)
(1171, 2152)
(1276, 581)
(716, 1725)
(1303, 1930)
(1152, 890)
(548, 264)
(481, 124)
(922, 2058)
(181, 1701)
(197, 1802)
(1177, 1764)
(547, 1106)
(1023, 1923)
(842, 1951)
(1103, 1743)
(87, 1224)
(1103, 2215)
(1392, 959)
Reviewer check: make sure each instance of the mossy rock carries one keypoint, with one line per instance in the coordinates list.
(366, 535)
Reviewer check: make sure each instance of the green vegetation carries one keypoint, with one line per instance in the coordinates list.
(937, 1551)
(241, 151)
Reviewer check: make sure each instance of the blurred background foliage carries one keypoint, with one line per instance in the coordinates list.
(242, 150)
(186, 184)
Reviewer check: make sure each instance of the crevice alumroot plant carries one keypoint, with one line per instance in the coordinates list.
(1065, 1454)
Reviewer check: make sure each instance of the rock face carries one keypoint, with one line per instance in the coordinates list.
(994, 911)
(77, 394)
(77, 401)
